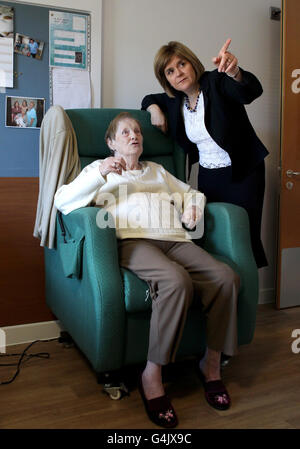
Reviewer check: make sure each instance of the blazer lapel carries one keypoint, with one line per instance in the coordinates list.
(204, 86)
(177, 110)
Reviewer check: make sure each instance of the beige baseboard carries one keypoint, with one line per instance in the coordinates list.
(266, 296)
(26, 333)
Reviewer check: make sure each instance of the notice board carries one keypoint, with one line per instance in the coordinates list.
(19, 147)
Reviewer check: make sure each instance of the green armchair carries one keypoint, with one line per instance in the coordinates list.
(106, 309)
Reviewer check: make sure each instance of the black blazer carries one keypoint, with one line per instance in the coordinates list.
(225, 117)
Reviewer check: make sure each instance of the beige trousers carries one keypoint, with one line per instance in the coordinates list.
(178, 273)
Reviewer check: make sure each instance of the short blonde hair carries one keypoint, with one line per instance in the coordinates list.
(163, 57)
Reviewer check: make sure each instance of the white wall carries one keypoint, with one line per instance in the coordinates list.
(133, 30)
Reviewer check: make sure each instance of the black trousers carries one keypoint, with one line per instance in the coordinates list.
(218, 186)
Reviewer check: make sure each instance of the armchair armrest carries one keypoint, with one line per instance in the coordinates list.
(227, 235)
(227, 232)
(92, 306)
(101, 243)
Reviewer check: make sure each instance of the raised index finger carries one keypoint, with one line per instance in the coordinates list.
(225, 46)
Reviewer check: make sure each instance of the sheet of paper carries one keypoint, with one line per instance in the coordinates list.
(6, 62)
(71, 88)
(68, 40)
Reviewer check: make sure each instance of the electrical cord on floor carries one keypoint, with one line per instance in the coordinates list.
(24, 357)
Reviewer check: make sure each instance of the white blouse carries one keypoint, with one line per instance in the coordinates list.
(211, 155)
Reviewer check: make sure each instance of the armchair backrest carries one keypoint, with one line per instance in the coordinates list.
(90, 126)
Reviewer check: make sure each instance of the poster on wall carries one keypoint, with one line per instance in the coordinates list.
(6, 21)
(68, 40)
(24, 112)
(28, 46)
(71, 88)
(6, 62)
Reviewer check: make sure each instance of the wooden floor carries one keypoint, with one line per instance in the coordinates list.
(62, 392)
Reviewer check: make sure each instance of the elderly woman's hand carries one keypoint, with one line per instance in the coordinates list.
(191, 216)
(112, 164)
(158, 118)
(227, 62)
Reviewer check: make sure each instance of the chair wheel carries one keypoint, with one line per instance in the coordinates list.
(115, 392)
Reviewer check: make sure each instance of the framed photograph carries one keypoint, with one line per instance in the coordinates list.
(24, 112)
(28, 46)
(6, 21)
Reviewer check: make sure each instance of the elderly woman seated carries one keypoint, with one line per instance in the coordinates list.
(153, 212)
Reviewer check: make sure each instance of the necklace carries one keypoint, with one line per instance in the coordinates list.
(187, 103)
(139, 166)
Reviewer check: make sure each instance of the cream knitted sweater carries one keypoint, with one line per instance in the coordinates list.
(145, 203)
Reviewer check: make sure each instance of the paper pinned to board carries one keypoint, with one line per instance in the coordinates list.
(6, 62)
(71, 88)
(68, 40)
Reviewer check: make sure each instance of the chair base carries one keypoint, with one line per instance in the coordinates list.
(66, 339)
(113, 386)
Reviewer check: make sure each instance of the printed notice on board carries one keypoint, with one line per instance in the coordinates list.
(68, 40)
(71, 88)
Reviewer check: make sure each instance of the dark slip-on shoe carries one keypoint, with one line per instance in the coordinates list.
(215, 392)
(159, 410)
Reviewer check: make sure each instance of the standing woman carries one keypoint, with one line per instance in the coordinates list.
(205, 114)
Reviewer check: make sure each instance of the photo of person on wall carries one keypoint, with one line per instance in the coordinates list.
(28, 46)
(24, 112)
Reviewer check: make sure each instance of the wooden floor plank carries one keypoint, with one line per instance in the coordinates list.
(62, 392)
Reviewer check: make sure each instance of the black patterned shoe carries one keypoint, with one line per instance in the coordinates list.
(215, 392)
(159, 410)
